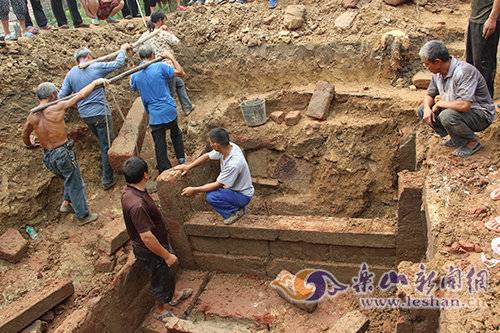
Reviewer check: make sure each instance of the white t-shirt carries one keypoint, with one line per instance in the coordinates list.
(234, 171)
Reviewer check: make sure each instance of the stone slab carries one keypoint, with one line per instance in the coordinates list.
(422, 79)
(310, 229)
(345, 20)
(27, 309)
(12, 246)
(129, 141)
(249, 247)
(292, 118)
(231, 263)
(113, 236)
(319, 105)
(351, 322)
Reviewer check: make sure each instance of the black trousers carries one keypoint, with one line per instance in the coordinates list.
(130, 8)
(158, 132)
(482, 53)
(40, 18)
(58, 10)
(162, 276)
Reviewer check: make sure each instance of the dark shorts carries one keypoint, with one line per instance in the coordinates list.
(105, 8)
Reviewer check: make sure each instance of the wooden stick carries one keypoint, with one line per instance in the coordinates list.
(112, 80)
(139, 42)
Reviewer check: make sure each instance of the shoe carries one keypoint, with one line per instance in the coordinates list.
(95, 21)
(33, 30)
(82, 25)
(89, 218)
(272, 4)
(28, 34)
(233, 218)
(110, 185)
(11, 36)
(66, 208)
(128, 17)
(182, 160)
(182, 8)
(111, 20)
(64, 26)
(241, 2)
(47, 28)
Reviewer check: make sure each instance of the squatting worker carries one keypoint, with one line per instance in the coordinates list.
(58, 155)
(152, 85)
(94, 109)
(102, 9)
(149, 236)
(482, 39)
(465, 105)
(233, 189)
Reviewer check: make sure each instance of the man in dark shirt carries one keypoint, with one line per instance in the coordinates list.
(149, 236)
(482, 39)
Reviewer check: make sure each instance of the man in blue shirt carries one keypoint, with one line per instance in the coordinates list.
(94, 109)
(152, 85)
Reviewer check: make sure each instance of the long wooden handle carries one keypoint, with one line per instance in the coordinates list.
(139, 42)
(111, 80)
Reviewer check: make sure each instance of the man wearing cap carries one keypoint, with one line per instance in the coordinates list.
(94, 109)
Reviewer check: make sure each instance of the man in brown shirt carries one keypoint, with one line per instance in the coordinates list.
(58, 155)
(149, 236)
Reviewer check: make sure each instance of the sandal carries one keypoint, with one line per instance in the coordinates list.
(466, 151)
(495, 194)
(450, 144)
(493, 225)
(185, 294)
(164, 315)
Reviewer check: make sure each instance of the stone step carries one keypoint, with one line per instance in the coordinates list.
(376, 233)
(129, 141)
(27, 309)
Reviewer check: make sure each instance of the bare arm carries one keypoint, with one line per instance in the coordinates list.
(27, 130)
(490, 25)
(189, 191)
(178, 70)
(154, 246)
(460, 106)
(87, 90)
(199, 161)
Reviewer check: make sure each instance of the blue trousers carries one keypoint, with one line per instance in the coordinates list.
(226, 202)
(62, 162)
(97, 125)
(177, 85)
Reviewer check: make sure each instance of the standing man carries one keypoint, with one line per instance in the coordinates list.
(94, 109)
(482, 39)
(152, 85)
(60, 14)
(233, 189)
(149, 236)
(58, 155)
(465, 105)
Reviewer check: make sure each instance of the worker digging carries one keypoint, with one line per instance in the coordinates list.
(234, 166)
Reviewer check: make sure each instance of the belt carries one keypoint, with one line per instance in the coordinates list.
(68, 145)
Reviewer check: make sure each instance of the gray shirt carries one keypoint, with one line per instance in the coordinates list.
(463, 83)
(234, 171)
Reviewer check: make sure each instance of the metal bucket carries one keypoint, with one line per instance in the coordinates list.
(254, 112)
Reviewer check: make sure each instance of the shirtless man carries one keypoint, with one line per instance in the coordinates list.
(58, 156)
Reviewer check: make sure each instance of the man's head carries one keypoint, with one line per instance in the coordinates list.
(157, 18)
(146, 52)
(46, 90)
(218, 138)
(83, 54)
(434, 56)
(135, 170)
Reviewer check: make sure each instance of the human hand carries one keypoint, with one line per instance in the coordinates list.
(428, 116)
(126, 46)
(171, 260)
(33, 142)
(188, 192)
(167, 55)
(183, 167)
(489, 27)
(101, 82)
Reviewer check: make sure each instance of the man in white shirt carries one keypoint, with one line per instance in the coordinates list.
(233, 189)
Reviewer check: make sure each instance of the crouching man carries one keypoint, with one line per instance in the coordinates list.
(465, 105)
(149, 236)
(233, 189)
